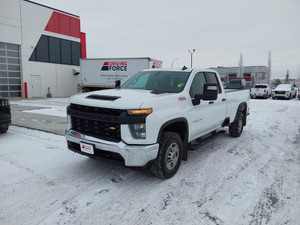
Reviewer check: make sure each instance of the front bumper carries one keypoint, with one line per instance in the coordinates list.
(281, 95)
(133, 155)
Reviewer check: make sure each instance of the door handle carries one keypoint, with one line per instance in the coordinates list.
(224, 99)
(211, 102)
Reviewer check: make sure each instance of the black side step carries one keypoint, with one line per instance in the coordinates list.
(205, 140)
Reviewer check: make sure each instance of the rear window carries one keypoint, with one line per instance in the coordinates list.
(260, 86)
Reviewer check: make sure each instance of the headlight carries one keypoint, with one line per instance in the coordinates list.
(138, 131)
(4, 102)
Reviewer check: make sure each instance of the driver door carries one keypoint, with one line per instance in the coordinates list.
(202, 115)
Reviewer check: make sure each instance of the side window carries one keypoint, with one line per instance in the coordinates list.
(212, 78)
(197, 84)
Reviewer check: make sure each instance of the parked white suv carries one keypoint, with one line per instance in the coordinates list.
(284, 91)
(261, 90)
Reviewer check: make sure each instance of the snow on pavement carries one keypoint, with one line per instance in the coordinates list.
(52, 106)
(254, 179)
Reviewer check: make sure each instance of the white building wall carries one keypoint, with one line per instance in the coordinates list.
(23, 23)
(10, 22)
(59, 78)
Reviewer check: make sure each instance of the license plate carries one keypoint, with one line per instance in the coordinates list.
(87, 148)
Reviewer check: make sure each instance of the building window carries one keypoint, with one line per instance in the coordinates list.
(65, 48)
(56, 50)
(10, 75)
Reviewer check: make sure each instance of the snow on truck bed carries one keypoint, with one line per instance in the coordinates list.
(253, 179)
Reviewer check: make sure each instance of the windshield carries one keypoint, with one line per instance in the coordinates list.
(161, 81)
(234, 84)
(260, 86)
(284, 86)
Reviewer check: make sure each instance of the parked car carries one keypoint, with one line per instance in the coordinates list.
(5, 115)
(261, 90)
(238, 83)
(173, 109)
(284, 91)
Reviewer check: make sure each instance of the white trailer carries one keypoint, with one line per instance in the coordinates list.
(101, 73)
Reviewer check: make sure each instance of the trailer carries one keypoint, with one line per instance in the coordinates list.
(101, 73)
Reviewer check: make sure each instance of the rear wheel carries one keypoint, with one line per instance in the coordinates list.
(3, 130)
(169, 156)
(236, 128)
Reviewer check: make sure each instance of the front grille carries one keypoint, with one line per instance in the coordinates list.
(4, 110)
(97, 122)
(106, 131)
(96, 110)
(280, 92)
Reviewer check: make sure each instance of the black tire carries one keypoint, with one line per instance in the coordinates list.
(273, 97)
(236, 127)
(290, 97)
(3, 130)
(170, 147)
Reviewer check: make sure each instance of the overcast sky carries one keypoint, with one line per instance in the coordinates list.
(219, 30)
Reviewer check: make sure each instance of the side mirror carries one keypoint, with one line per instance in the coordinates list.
(117, 83)
(210, 92)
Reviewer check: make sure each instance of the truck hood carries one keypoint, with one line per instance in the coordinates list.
(117, 98)
(283, 89)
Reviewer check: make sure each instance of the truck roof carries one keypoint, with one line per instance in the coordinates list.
(179, 69)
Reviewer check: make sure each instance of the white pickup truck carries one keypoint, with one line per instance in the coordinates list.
(151, 119)
(261, 90)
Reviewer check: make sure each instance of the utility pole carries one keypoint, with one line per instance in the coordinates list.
(241, 68)
(192, 52)
(173, 62)
(269, 68)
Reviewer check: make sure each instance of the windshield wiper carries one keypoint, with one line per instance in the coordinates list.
(157, 92)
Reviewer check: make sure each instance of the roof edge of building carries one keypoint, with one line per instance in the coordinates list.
(58, 10)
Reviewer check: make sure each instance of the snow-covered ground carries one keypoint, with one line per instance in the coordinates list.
(254, 179)
(50, 106)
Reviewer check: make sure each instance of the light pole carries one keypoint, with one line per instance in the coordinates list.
(192, 52)
(173, 62)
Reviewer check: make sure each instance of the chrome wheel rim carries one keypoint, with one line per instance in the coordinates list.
(240, 124)
(172, 156)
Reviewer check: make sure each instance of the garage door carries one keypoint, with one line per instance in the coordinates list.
(10, 75)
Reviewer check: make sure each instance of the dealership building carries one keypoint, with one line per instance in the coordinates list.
(40, 50)
(252, 74)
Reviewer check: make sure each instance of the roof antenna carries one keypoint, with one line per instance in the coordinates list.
(184, 68)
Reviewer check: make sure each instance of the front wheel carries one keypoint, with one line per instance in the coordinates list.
(3, 130)
(236, 127)
(169, 156)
